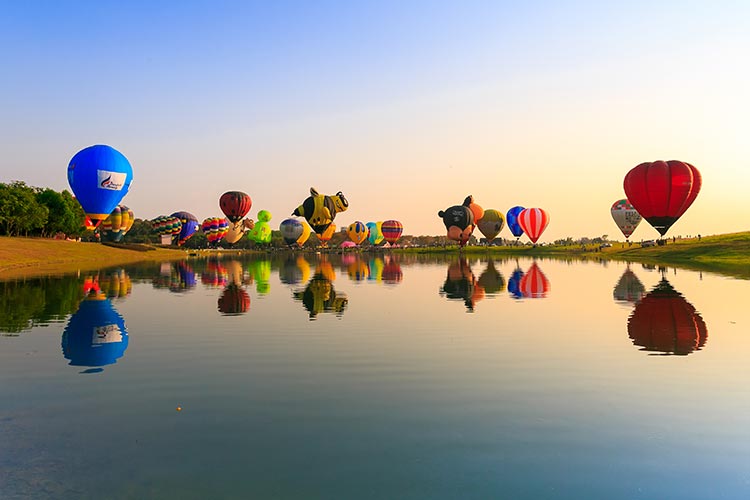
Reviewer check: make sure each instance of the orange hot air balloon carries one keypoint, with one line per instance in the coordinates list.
(663, 321)
(662, 191)
(533, 221)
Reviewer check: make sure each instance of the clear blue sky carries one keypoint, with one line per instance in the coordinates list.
(407, 107)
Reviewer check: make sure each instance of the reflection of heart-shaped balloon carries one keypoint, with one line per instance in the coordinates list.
(533, 221)
(491, 223)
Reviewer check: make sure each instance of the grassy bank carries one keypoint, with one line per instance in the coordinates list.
(37, 256)
(727, 254)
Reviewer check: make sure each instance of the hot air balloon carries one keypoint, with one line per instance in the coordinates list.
(95, 335)
(319, 295)
(534, 283)
(533, 221)
(374, 235)
(190, 225)
(491, 224)
(306, 232)
(100, 177)
(233, 301)
(237, 230)
(319, 209)
(392, 230)
(512, 219)
(663, 321)
(168, 226)
(261, 232)
(461, 284)
(291, 230)
(326, 235)
(459, 221)
(514, 283)
(117, 224)
(357, 232)
(629, 288)
(662, 191)
(626, 217)
(491, 280)
(215, 228)
(235, 205)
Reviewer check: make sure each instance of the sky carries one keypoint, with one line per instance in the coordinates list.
(405, 107)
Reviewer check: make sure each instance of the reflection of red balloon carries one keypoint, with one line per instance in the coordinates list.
(235, 205)
(665, 322)
(392, 273)
(662, 191)
(533, 221)
(534, 283)
(234, 300)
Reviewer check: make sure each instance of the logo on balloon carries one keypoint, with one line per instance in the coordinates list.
(114, 181)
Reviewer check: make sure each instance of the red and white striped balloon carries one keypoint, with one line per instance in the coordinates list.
(534, 283)
(533, 221)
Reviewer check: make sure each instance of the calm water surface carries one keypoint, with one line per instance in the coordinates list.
(384, 377)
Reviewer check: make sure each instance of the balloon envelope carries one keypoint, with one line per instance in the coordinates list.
(235, 205)
(100, 177)
(511, 218)
(374, 235)
(190, 226)
(215, 228)
(491, 224)
(626, 217)
(665, 322)
(95, 334)
(533, 221)
(357, 232)
(392, 230)
(291, 230)
(662, 191)
(117, 224)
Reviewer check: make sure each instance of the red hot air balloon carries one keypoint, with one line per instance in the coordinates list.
(533, 221)
(665, 322)
(534, 283)
(391, 230)
(235, 205)
(662, 191)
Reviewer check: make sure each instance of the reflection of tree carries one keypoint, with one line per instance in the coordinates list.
(319, 296)
(663, 321)
(461, 284)
(491, 279)
(25, 304)
(629, 288)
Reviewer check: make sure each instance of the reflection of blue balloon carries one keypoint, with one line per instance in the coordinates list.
(95, 335)
(511, 218)
(514, 284)
(100, 177)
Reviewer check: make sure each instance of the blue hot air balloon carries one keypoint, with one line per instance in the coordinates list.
(95, 335)
(190, 226)
(511, 218)
(100, 177)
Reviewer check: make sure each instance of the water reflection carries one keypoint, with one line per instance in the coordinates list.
(177, 278)
(234, 300)
(514, 283)
(95, 335)
(629, 288)
(392, 273)
(294, 270)
(491, 280)
(376, 269)
(357, 269)
(534, 284)
(215, 275)
(460, 284)
(320, 296)
(663, 321)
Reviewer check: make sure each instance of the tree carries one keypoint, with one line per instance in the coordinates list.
(65, 213)
(20, 212)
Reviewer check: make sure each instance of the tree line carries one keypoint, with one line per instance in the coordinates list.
(32, 211)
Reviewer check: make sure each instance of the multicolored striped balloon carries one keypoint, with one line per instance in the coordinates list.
(215, 228)
(167, 224)
(392, 230)
(117, 224)
(533, 221)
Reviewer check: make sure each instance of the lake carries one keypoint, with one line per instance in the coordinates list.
(375, 376)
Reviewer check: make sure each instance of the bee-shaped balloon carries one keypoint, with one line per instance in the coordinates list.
(320, 209)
